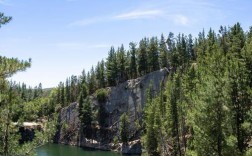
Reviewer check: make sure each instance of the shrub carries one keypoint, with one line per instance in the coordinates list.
(102, 95)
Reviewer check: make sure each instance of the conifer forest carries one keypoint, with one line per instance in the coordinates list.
(202, 108)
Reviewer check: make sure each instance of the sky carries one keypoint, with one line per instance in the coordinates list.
(63, 37)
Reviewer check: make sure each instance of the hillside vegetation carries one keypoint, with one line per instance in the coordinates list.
(203, 109)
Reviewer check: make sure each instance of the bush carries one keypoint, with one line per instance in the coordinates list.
(102, 95)
(249, 152)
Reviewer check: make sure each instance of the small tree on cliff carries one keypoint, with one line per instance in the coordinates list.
(124, 128)
(101, 96)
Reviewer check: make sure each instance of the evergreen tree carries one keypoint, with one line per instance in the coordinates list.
(68, 92)
(83, 77)
(133, 60)
(62, 94)
(112, 68)
(8, 67)
(127, 66)
(124, 128)
(87, 117)
(142, 57)
(190, 49)
(91, 81)
(239, 85)
(121, 62)
(24, 92)
(151, 131)
(73, 88)
(163, 52)
(100, 74)
(171, 48)
(153, 57)
(212, 104)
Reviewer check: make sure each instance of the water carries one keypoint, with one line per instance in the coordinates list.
(64, 150)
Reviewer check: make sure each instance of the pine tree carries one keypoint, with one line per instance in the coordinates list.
(124, 128)
(8, 67)
(142, 57)
(112, 68)
(73, 88)
(100, 74)
(163, 52)
(68, 92)
(190, 49)
(121, 62)
(62, 94)
(153, 57)
(81, 103)
(91, 81)
(151, 131)
(171, 48)
(127, 66)
(133, 60)
(24, 92)
(239, 82)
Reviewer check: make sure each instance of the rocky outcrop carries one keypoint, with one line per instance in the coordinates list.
(69, 126)
(133, 147)
(127, 97)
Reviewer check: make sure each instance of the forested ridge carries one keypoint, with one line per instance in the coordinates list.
(203, 109)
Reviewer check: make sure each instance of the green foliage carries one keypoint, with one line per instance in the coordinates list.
(207, 98)
(249, 152)
(133, 60)
(101, 95)
(142, 57)
(121, 62)
(163, 53)
(124, 128)
(205, 108)
(87, 113)
(19, 104)
(151, 138)
(153, 55)
(4, 19)
(112, 68)
(100, 74)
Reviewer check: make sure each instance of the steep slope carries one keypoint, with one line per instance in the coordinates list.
(127, 97)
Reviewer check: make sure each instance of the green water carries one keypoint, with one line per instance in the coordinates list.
(64, 150)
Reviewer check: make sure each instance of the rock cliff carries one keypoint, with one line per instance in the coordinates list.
(126, 97)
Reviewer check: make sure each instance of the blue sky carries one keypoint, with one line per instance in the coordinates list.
(63, 37)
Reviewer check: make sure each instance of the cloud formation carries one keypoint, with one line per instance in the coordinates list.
(139, 14)
(181, 13)
(131, 15)
(180, 20)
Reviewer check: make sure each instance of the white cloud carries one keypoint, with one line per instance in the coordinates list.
(139, 14)
(180, 20)
(136, 14)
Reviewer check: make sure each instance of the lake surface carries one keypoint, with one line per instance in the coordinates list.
(64, 150)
